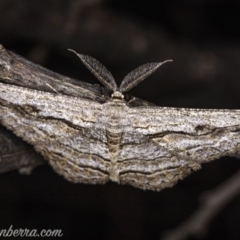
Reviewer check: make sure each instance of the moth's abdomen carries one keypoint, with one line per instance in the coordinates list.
(114, 136)
(114, 139)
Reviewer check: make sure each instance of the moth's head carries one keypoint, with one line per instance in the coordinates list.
(117, 96)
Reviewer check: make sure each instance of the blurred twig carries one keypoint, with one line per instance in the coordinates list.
(212, 203)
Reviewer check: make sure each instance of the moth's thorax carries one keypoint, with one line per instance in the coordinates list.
(116, 103)
(113, 103)
(115, 111)
(114, 114)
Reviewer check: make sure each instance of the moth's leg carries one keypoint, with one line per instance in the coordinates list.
(52, 88)
(131, 100)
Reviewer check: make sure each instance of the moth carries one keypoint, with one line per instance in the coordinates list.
(96, 139)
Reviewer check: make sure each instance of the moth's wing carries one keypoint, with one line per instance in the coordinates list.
(166, 144)
(63, 129)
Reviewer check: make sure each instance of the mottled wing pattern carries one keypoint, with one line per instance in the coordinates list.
(168, 143)
(146, 147)
(63, 130)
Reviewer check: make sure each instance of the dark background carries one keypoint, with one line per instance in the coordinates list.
(202, 37)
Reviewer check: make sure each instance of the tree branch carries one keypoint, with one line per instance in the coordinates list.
(212, 203)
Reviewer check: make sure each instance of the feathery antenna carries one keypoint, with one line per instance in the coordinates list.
(139, 74)
(106, 78)
(98, 70)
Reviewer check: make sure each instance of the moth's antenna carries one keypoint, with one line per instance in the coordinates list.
(139, 74)
(98, 70)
